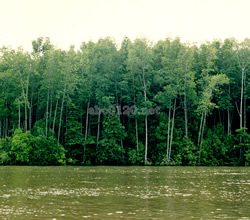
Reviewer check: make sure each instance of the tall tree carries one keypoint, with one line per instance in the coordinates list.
(139, 64)
(243, 57)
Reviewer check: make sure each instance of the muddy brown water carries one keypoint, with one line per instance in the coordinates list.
(124, 192)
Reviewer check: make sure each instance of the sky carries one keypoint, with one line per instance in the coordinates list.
(71, 22)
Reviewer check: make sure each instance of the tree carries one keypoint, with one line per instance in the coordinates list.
(243, 57)
(18, 65)
(227, 64)
(205, 103)
(174, 74)
(139, 64)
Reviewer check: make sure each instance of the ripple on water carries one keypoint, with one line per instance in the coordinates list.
(159, 190)
(5, 196)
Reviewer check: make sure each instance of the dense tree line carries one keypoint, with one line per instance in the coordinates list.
(168, 103)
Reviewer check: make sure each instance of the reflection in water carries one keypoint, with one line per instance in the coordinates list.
(124, 192)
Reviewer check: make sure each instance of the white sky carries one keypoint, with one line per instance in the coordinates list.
(68, 22)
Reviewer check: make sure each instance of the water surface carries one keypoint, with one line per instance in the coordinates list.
(124, 193)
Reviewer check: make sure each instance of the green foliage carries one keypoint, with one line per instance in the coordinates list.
(28, 149)
(110, 150)
(39, 128)
(201, 92)
(136, 157)
(243, 144)
(74, 141)
(247, 155)
(132, 157)
(161, 137)
(185, 152)
(21, 146)
(216, 147)
(46, 151)
(5, 146)
(213, 83)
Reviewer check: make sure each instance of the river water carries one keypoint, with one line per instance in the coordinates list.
(124, 193)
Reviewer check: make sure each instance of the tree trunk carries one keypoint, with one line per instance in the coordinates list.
(47, 115)
(118, 114)
(185, 115)
(26, 104)
(242, 96)
(199, 139)
(202, 127)
(50, 111)
(66, 119)
(199, 134)
(60, 118)
(98, 127)
(172, 131)
(25, 116)
(245, 104)
(136, 134)
(54, 119)
(146, 140)
(86, 131)
(30, 111)
(169, 124)
(146, 118)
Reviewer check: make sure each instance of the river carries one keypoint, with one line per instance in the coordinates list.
(124, 192)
